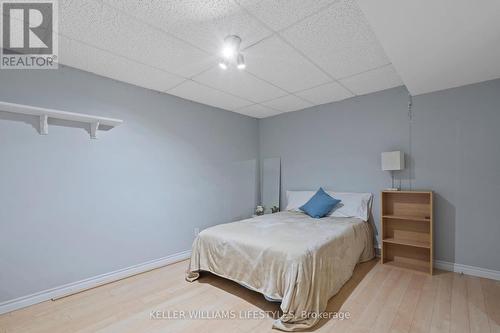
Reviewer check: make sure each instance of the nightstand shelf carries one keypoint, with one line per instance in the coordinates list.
(411, 218)
(408, 242)
(407, 226)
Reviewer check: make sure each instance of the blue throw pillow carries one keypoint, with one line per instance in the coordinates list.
(319, 205)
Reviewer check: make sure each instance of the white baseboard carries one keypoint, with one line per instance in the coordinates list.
(78, 286)
(469, 270)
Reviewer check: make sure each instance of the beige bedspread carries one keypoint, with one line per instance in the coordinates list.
(288, 256)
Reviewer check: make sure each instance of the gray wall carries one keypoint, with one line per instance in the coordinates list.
(455, 151)
(72, 207)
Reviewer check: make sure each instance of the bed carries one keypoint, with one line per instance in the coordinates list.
(287, 256)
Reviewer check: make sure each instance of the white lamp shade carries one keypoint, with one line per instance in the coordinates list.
(393, 160)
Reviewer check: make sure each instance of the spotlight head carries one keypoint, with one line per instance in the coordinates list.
(240, 62)
(223, 64)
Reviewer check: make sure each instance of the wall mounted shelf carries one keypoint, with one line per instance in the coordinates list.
(44, 114)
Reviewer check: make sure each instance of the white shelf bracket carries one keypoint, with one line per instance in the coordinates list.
(44, 124)
(93, 129)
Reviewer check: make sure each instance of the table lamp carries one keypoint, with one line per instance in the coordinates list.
(392, 161)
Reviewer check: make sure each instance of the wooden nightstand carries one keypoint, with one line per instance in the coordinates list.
(407, 229)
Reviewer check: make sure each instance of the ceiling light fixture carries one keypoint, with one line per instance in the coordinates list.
(231, 53)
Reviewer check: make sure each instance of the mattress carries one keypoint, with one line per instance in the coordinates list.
(286, 256)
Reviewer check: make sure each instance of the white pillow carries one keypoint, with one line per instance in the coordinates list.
(295, 199)
(352, 204)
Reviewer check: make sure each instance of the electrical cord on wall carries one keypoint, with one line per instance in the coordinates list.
(410, 121)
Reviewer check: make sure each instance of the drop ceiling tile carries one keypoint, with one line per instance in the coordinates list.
(109, 29)
(74, 54)
(202, 23)
(258, 111)
(327, 93)
(81, 20)
(84, 57)
(339, 40)
(288, 103)
(205, 95)
(122, 69)
(151, 46)
(239, 83)
(279, 14)
(275, 61)
(374, 80)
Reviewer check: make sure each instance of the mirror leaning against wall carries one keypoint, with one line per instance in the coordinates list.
(270, 184)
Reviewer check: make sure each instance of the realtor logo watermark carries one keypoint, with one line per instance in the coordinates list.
(28, 34)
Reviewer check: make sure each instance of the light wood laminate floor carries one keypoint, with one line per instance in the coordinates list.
(379, 299)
